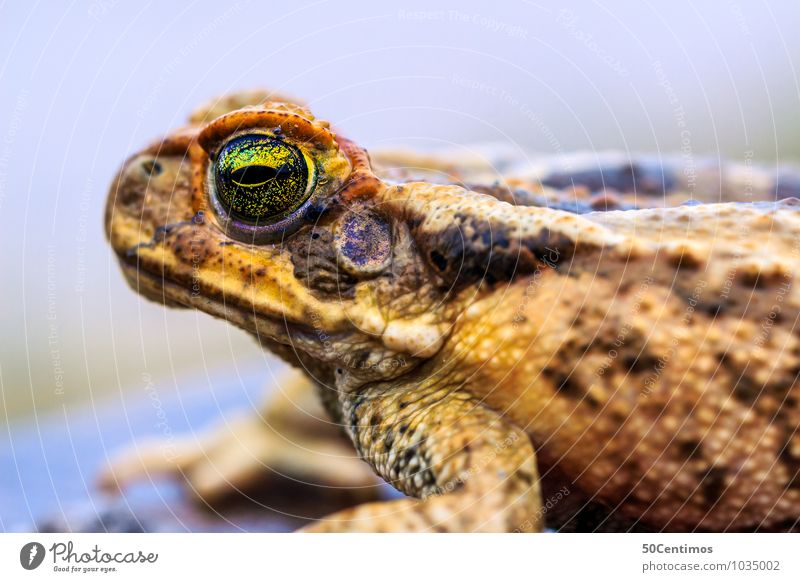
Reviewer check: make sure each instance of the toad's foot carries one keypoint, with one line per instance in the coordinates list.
(471, 469)
(287, 444)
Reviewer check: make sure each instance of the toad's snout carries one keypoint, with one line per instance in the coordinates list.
(149, 193)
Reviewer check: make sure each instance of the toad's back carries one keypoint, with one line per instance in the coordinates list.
(661, 377)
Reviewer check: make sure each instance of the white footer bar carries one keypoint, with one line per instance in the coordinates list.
(401, 557)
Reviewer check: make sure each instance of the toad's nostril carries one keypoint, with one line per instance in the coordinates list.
(151, 167)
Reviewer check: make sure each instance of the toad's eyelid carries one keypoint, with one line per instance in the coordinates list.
(269, 155)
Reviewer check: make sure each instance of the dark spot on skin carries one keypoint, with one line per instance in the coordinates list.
(629, 362)
(591, 400)
(375, 419)
(388, 441)
(639, 363)
(685, 262)
(569, 387)
(360, 359)
(752, 280)
(746, 390)
(402, 428)
(501, 241)
(688, 450)
(711, 309)
(624, 287)
(410, 453)
(429, 480)
(402, 405)
(438, 260)
(713, 484)
(618, 416)
(524, 476)
(792, 464)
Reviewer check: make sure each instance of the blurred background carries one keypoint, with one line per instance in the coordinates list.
(85, 84)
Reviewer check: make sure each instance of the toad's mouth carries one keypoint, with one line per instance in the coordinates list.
(175, 294)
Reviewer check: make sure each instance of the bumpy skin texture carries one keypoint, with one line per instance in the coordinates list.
(507, 352)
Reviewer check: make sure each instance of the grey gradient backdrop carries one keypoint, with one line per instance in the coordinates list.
(84, 84)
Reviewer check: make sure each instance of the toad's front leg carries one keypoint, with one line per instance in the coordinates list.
(468, 467)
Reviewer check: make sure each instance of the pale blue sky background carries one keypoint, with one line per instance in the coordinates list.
(84, 84)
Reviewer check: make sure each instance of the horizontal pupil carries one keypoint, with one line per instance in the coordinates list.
(256, 175)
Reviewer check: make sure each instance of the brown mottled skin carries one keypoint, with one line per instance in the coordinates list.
(491, 355)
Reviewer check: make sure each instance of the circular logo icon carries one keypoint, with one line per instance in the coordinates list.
(31, 555)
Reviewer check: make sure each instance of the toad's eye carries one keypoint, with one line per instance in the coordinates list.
(261, 179)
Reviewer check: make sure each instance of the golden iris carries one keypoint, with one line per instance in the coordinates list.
(260, 177)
